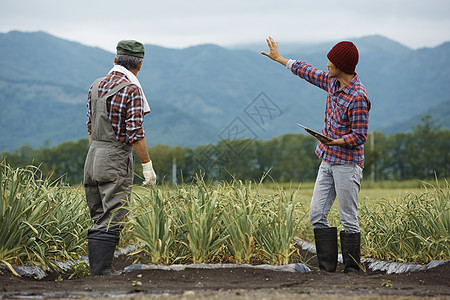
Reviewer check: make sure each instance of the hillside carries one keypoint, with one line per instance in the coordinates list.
(43, 94)
(205, 93)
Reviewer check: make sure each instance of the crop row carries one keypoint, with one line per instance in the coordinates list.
(43, 222)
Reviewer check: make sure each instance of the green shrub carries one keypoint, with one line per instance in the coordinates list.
(41, 221)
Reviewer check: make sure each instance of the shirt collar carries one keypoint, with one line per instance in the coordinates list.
(346, 89)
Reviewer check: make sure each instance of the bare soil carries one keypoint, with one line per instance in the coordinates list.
(234, 283)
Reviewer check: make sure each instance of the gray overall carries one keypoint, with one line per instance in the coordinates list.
(109, 166)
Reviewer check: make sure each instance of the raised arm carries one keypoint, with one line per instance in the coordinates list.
(299, 68)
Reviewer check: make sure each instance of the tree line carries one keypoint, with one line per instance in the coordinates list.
(421, 153)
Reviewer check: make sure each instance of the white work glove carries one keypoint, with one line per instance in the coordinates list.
(149, 174)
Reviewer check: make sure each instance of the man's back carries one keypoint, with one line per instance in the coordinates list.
(124, 108)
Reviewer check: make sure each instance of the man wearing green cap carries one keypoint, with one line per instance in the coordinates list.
(115, 110)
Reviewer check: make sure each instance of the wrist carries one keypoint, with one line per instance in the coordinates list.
(281, 60)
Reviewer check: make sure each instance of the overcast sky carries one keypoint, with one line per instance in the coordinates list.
(183, 23)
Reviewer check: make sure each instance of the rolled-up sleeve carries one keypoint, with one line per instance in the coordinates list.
(135, 116)
(88, 113)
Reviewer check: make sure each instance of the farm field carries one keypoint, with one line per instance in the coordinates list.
(241, 283)
(239, 223)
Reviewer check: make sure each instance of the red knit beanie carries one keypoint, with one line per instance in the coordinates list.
(344, 56)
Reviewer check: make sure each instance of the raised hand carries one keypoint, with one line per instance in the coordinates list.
(273, 51)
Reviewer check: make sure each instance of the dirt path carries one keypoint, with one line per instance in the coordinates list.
(235, 283)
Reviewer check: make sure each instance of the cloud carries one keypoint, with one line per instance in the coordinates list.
(181, 23)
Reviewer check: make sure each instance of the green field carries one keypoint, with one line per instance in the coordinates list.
(44, 221)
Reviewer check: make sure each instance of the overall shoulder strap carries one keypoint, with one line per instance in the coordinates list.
(94, 90)
(116, 89)
(95, 85)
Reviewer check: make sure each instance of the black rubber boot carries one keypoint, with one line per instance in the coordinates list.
(351, 251)
(327, 248)
(101, 247)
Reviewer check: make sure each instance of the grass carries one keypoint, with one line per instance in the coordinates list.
(199, 215)
(240, 222)
(231, 222)
(152, 225)
(414, 228)
(421, 213)
(42, 221)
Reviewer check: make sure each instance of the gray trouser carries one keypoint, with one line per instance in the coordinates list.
(108, 176)
(341, 182)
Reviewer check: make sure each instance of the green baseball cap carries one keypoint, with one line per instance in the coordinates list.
(130, 47)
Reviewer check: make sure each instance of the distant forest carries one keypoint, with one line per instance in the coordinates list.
(421, 153)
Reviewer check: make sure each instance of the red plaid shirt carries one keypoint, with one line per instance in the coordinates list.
(346, 115)
(125, 108)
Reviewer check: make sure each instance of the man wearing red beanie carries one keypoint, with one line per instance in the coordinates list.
(340, 172)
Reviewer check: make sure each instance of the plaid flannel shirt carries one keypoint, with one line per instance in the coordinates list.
(346, 115)
(125, 108)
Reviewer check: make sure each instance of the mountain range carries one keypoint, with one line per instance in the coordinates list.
(202, 94)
